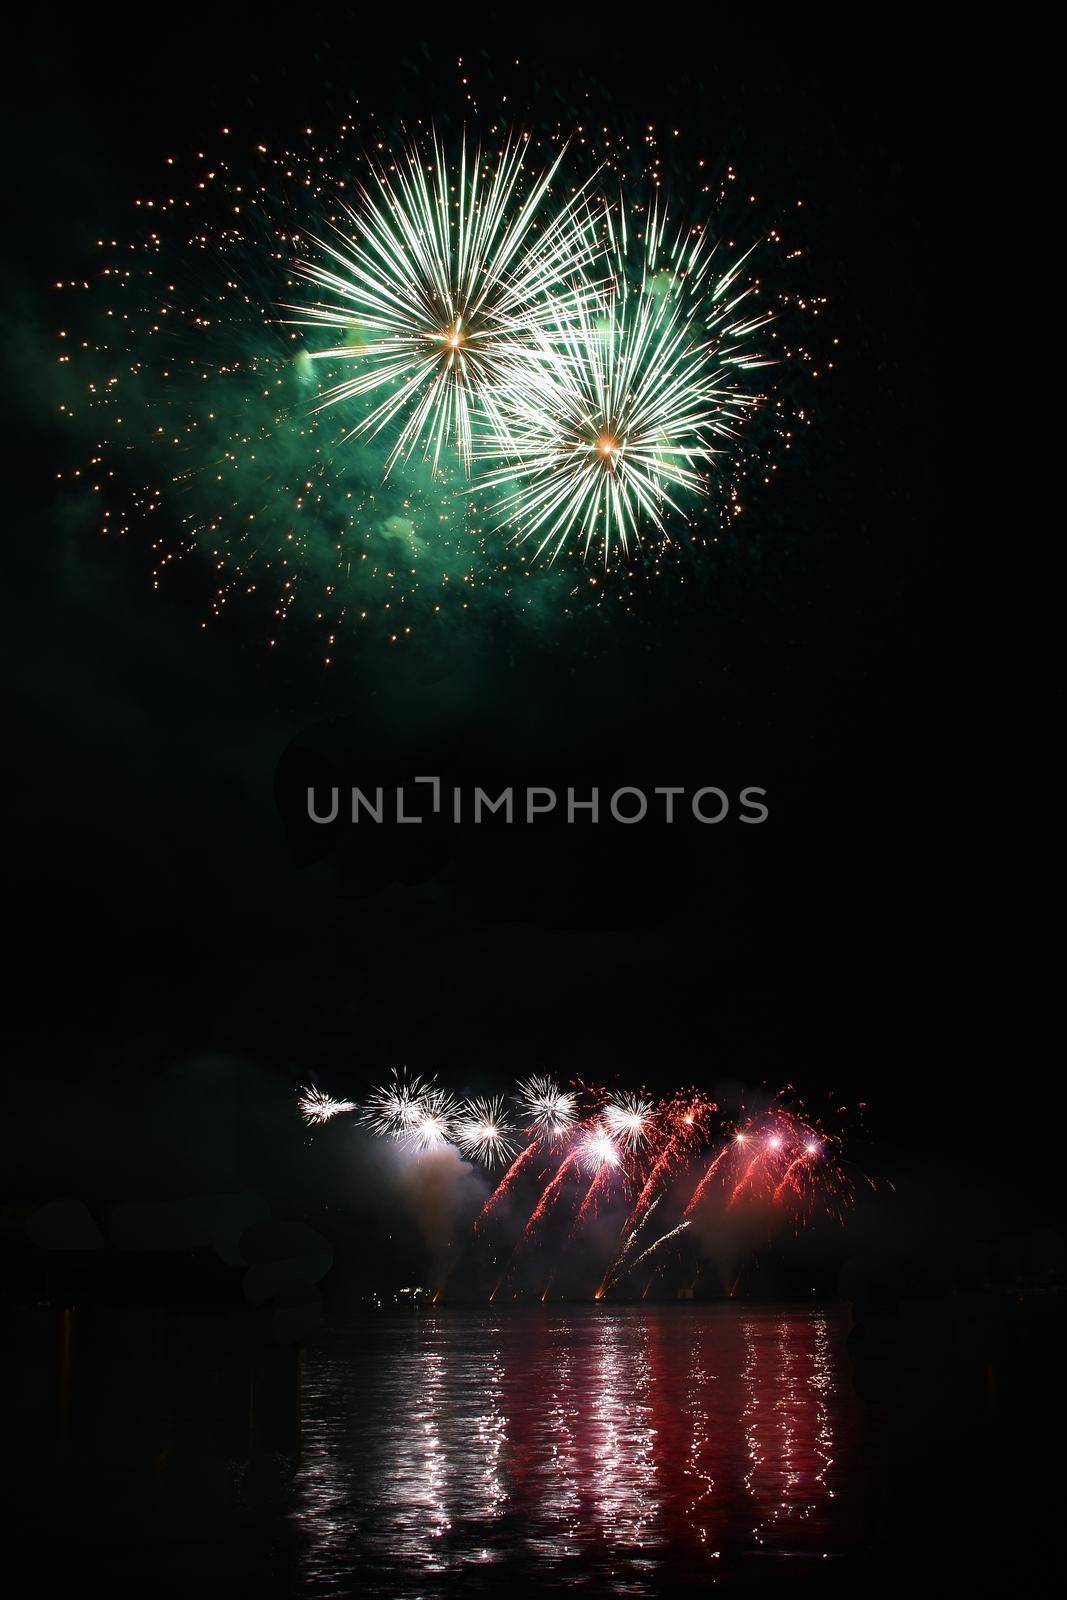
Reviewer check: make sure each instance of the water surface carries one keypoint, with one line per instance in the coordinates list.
(617, 1450)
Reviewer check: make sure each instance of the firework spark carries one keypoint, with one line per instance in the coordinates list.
(442, 271)
(807, 1154)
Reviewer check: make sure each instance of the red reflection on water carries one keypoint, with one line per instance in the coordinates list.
(625, 1444)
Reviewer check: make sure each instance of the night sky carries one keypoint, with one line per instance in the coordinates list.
(873, 649)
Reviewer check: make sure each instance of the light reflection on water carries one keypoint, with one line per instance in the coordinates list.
(615, 1448)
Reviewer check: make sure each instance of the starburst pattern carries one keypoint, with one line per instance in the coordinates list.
(545, 1108)
(483, 1132)
(433, 1122)
(627, 403)
(393, 1108)
(440, 273)
(628, 1117)
(202, 425)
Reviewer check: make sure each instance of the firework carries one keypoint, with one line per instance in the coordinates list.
(433, 1121)
(597, 1185)
(545, 1107)
(441, 272)
(552, 1189)
(671, 1234)
(598, 1149)
(483, 1133)
(809, 1152)
(775, 1168)
(777, 1159)
(508, 1179)
(205, 424)
(709, 1175)
(681, 1122)
(394, 1107)
(629, 1117)
(624, 407)
(316, 1107)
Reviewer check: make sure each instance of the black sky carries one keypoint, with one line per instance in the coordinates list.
(879, 659)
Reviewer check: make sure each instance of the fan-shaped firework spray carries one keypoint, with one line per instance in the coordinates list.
(592, 1153)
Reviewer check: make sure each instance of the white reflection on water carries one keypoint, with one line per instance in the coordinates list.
(557, 1532)
(619, 1438)
(619, 1447)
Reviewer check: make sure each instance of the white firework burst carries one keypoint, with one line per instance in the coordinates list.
(483, 1132)
(439, 272)
(628, 1117)
(316, 1107)
(393, 1108)
(545, 1107)
(627, 402)
(433, 1124)
(599, 1149)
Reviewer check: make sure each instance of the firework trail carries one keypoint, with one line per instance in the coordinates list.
(546, 1199)
(745, 1179)
(787, 1176)
(687, 1125)
(508, 1179)
(550, 1192)
(706, 1179)
(659, 1166)
(614, 1272)
(671, 1234)
(684, 1117)
(597, 1183)
(316, 1107)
